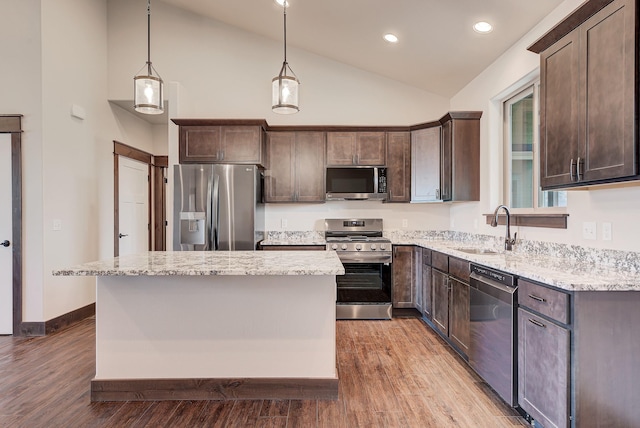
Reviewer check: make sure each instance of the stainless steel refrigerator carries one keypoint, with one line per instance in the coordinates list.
(217, 207)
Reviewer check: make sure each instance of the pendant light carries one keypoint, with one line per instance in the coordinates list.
(147, 95)
(284, 86)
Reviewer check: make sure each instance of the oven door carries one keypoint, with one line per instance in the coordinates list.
(364, 291)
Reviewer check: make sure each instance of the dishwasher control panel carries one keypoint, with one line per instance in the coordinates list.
(496, 275)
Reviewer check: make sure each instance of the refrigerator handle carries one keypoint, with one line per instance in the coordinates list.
(209, 220)
(215, 210)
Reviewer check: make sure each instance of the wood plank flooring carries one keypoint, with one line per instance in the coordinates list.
(392, 374)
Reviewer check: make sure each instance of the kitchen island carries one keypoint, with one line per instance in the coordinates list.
(215, 325)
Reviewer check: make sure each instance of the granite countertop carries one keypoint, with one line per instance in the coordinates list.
(571, 268)
(294, 238)
(564, 273)
(212, 263)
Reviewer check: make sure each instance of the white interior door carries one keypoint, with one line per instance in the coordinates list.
(6, 225)
(133, 193)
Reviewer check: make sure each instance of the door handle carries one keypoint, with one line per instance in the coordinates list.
(5, 243)
(120, 235)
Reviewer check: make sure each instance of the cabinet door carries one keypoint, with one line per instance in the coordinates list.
(403, 274)
(371, 148)
(341, 148)
(426, 289)
(446, 157)
(279, 180)
(399, 166)
(309, 166)
(559, 79)
(440, 302)
(199, 144)
(416, 283)
(543, 369)
(607, 67)
(459, 327)
(425, 164)
(241, 144)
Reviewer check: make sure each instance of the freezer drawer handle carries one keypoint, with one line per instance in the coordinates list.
(538, 323)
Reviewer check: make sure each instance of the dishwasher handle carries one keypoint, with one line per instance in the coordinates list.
(493, 288)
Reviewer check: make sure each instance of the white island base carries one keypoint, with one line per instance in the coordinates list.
(215, 337)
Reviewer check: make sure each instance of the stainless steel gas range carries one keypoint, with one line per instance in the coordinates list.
(364, 291)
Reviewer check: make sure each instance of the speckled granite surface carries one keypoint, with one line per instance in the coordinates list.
(294, 238)
(213, 263)
(569, 267)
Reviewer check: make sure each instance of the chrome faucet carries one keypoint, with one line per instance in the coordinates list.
(508, 242)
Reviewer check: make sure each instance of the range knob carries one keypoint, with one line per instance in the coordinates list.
(383, 246)
(343, 246)
(334, 246)
(358, 247)
(373, 246)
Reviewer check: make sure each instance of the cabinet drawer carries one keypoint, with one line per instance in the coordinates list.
(440, 261)
(459, 268)
(426, 256)
(552, 303)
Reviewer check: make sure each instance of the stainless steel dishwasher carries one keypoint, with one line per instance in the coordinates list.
(492, 347)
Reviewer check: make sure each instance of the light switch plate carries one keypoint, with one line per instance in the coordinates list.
(283, 223)
(57, 224)
(405, 222)
(589, 230)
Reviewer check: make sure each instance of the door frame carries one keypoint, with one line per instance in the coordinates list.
(157, 217)
(12, 124)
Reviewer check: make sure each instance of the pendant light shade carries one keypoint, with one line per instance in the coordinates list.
(285, 86)
(147, 84)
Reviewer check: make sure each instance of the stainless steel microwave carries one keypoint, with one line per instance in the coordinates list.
(356, 183)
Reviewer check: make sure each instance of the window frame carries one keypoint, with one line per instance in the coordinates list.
(529, 87)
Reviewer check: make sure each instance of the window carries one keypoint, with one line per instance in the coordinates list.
(521, 147)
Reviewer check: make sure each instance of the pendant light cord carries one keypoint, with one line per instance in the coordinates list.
(149, 36)
(285, 31)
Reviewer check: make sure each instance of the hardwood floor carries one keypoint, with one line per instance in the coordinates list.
(392, 374)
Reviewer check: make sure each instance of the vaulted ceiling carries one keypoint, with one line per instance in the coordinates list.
(438, 50)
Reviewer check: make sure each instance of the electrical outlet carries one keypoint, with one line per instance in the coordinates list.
(606, 231)
(589, 230)
(475, 224)
(57, 224)
(405, 222)
(283, 223)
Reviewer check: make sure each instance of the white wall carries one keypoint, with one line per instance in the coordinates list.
(617, 206)
(55, 55)
(227, 72)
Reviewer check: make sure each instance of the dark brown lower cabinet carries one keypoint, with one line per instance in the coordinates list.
(459, 327)
(440, 300)
(403, 293)
(543, 369)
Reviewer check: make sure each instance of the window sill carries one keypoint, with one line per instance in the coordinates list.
(554, 221)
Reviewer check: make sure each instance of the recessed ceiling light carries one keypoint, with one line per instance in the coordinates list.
(281, 2)
(391, 38)
(482, 27)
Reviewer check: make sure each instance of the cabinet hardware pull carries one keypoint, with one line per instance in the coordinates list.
(571, 168)
(353, 159)
(538, 323)
(437, 193)
(539, 299)
(578, 174)
(222, 155)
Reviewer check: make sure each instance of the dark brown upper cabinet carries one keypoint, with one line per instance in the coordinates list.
(460, 156)
(297, 167)
(588, 96)
(356, 148)
(222, 141)
(399, 166)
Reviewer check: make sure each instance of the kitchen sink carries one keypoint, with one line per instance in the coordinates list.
(473, 250)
